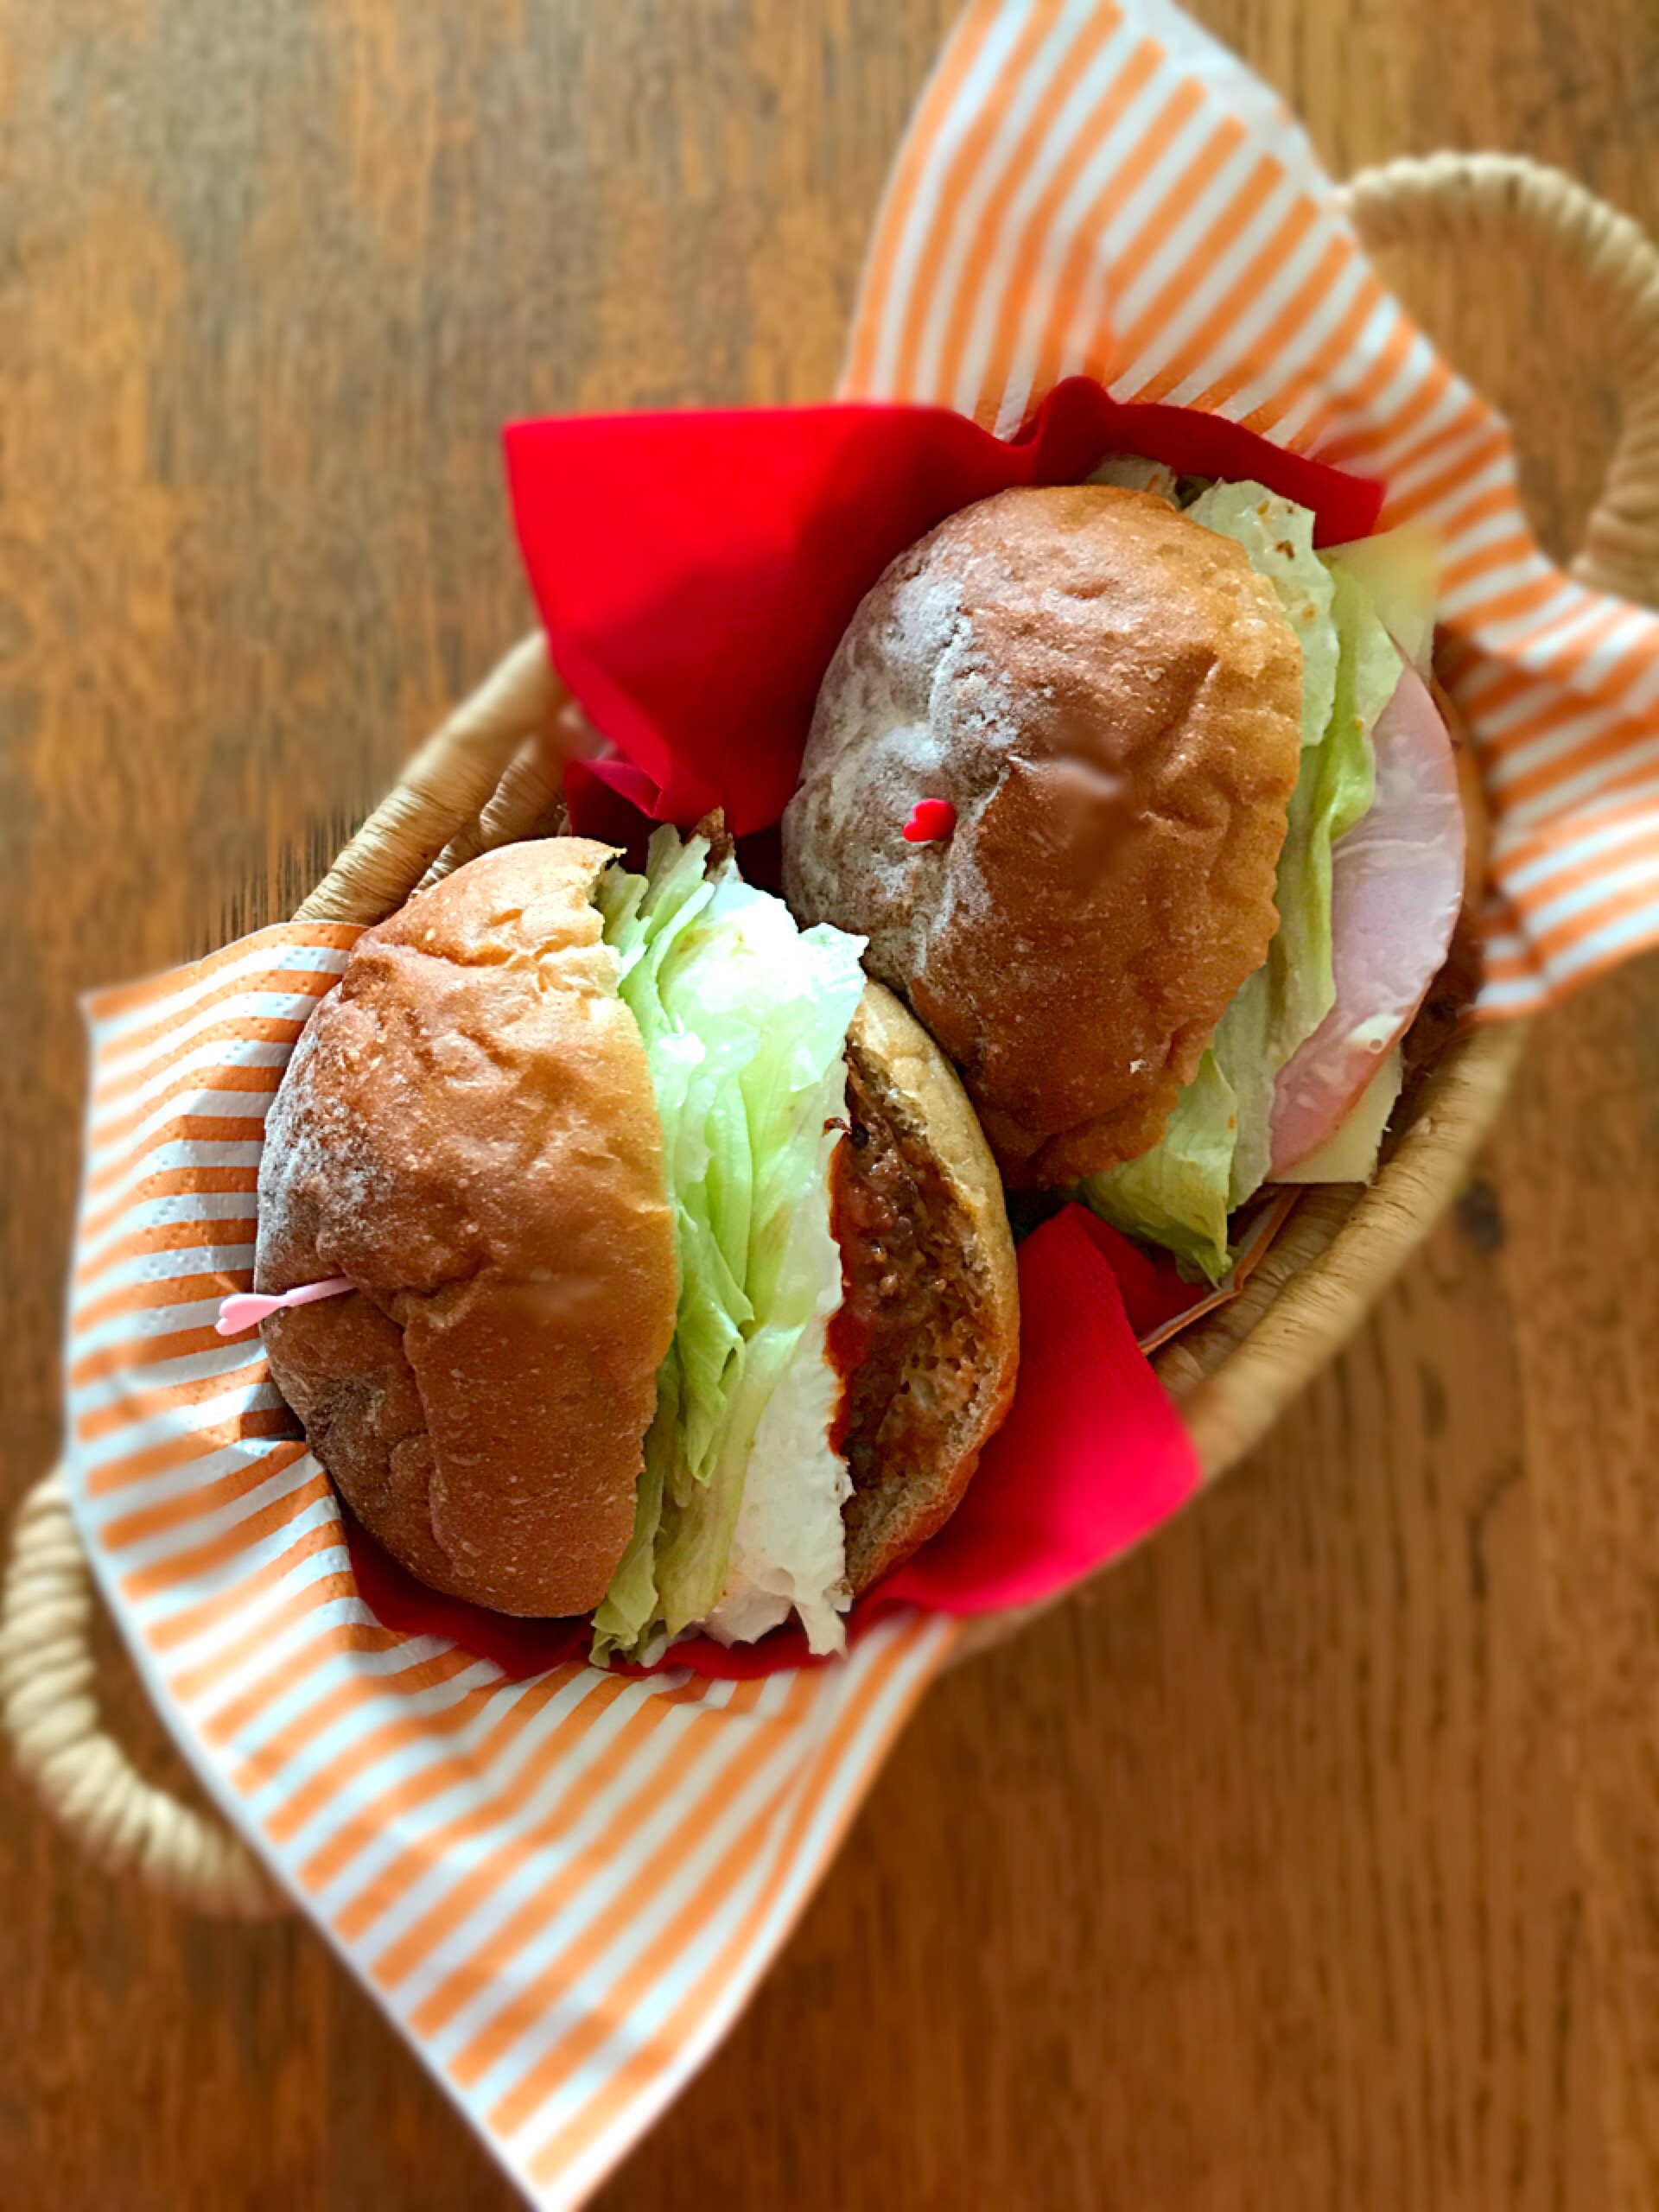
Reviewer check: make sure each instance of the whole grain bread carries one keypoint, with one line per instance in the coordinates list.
(1109, 697)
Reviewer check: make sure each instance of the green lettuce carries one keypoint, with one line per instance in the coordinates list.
(1176, 1194)
(744, 1020)
(1219, 1146)
(1284, 1003)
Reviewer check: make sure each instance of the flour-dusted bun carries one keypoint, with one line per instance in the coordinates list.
(929, 1329)
(468, 1130)
(1109, 696)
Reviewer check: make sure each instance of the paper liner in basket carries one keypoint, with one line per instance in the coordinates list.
(563, 1888)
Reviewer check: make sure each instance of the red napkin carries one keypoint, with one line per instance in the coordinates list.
(696, 572)
(1090, 1460)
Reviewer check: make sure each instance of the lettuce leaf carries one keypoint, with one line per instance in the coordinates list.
(1288, 996)
(744, 1020)
(1350, 668)
(1176, 1194)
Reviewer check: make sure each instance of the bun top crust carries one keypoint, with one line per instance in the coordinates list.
(468, 1130)
(1111, 698)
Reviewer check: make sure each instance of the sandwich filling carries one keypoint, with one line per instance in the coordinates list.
(744, 1019)
(1348, 609)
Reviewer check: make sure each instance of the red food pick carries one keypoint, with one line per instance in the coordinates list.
(931, 820)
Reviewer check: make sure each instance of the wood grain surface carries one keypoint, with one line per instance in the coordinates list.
(1313, 1863)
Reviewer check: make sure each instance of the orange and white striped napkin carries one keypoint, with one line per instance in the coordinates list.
(563, 1889)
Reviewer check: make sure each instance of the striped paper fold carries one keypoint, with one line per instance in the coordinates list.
(563, 1889)
(1103, 190)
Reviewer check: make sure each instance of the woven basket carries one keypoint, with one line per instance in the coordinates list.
(489, 777)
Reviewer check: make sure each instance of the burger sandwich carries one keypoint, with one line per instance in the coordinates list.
(675, 1286)
(1153, 815)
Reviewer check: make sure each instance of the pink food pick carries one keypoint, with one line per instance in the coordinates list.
(246, 1309)
(931, 820)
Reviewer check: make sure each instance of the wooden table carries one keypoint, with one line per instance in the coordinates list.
(1311, 1864)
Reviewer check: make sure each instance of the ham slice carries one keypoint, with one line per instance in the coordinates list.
(1396, 883)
